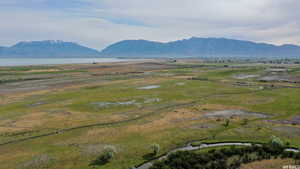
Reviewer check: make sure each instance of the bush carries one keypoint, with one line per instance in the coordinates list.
(297, 156)
(226, 123)
(276, 142)
(108, 153)
(245, 122)
(225, 158)
(155, 148)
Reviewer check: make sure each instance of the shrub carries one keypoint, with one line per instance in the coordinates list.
(155, 148)
(108, 153)
(297, 156)
(225, 158)
(245, 122)
(226, 123)
(276, 142)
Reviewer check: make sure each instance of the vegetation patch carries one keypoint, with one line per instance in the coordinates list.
(230, 158)
(73, 111)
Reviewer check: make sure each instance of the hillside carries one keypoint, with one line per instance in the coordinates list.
(193, 47)
(49, 48)
(200, 47)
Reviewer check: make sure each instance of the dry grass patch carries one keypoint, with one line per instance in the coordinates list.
(17, 96)
(39, 161)
(68, 119)
(217, 107)
(17, 156)
(168, 120)
(42, 70)
(27, 121)
(99, 133)
(268, 164)
(4, 129)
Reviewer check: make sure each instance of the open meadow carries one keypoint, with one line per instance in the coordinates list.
(63, 116)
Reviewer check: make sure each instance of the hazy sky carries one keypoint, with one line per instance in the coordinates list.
(98, 23)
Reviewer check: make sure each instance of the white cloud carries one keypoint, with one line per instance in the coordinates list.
(273, 21)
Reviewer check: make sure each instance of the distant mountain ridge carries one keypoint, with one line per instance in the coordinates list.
(193, 47)
(200, 47)
(47, 49)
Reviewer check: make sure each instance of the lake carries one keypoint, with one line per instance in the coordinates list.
(35, 61)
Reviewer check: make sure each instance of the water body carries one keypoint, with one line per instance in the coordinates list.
(149, 87)
(39, 61)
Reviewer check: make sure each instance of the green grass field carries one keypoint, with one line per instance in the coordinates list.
(68, 126)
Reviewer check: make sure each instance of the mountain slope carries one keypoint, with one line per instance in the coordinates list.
(200, 47)
(1, 49)
(50, 48)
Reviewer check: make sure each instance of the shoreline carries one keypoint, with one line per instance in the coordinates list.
(15, 62)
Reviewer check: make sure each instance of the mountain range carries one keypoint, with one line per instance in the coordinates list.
(193, 47)
(47, 49)
(200, 47)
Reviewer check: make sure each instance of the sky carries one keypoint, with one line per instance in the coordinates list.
(99, 23)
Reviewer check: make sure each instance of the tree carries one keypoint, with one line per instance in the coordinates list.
(155, 148)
